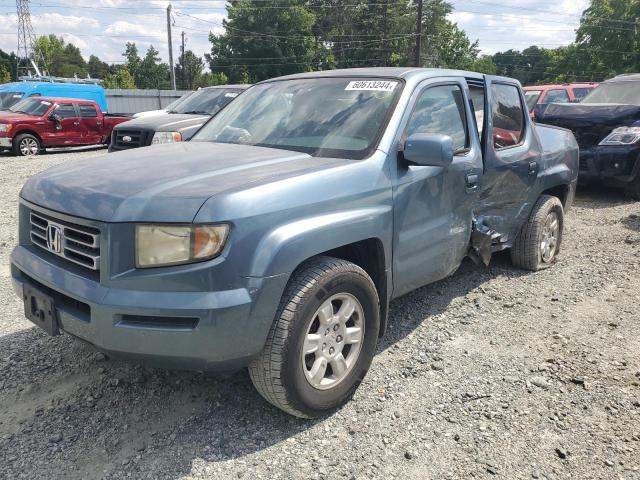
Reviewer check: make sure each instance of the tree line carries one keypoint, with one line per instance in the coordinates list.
(279, 37)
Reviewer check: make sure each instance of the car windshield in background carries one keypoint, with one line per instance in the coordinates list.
(531, 96)
(173, 105)
(8, 99)
(625, 93)
(332, 117)
(31, 106)
(207, 101)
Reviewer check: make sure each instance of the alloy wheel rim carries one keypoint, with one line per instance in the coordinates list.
(28, 147)
(550, 235)
(333, 341)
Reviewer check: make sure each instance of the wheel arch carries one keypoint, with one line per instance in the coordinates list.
(29, 132)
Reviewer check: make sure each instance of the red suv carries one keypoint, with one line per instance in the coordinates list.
(566, 93)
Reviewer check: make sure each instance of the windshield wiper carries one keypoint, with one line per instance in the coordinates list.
(196, 112)
(20, 111)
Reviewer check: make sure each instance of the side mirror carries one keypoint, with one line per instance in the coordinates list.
(55, 118)
(429, 149)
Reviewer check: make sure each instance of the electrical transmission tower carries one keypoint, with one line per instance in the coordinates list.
(28, 60)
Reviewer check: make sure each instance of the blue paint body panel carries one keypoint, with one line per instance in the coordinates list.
(283, 208)
(59, 90)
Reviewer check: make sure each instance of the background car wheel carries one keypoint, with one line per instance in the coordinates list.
(322, 342)
(633, 189)
(538, 242)
(26, 145)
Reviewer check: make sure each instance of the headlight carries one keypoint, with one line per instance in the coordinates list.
(623, 136)
(162, 245)
(5, 127)
(166, 137)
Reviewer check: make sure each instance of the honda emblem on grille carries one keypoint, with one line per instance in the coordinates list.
(126, 139)
(54, 238)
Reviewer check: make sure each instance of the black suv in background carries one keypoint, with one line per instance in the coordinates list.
(180, 124)
(606, 125)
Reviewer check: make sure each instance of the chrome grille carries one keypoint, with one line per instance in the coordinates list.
(131, 138)
(78, 244)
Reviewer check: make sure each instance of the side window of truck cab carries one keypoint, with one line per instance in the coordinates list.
(508, 116)
(66, 110)
(440, 109)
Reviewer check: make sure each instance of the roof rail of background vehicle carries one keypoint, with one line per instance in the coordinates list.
(625, 77)
(50, 79)
(387, 72)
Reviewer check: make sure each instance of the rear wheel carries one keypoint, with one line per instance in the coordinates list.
(323, 340)
(26, 145)
(538, 243)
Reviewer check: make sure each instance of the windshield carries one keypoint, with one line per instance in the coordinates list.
(332, 117)
(171, 107)
(207, 101)
(32, 106)
(531, 96)
(7, 99)
(626, 93)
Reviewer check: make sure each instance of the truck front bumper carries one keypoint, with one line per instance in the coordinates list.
(216, 331)
(618, 165)
(5, 142)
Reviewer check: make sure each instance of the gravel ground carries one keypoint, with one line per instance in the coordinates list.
(492, 373)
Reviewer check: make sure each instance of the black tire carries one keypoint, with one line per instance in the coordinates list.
(527, 249)
(21, 140)
(633, 189)
(278, 373)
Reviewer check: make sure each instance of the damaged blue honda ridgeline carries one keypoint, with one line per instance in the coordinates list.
(606, 125)
(277, 236)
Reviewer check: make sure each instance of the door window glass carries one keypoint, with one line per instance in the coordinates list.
(88, 111)
(441, 110)
(66, 110)
(557, 96)
(507, 114)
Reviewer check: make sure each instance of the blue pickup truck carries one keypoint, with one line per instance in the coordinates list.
(277, 236)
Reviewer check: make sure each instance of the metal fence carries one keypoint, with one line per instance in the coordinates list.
(134, 101)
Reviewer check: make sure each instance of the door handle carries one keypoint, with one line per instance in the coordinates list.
(472, 181)
(533, 168)
(75, 124)
(98, 123)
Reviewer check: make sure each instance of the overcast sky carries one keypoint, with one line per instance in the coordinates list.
(102, 27)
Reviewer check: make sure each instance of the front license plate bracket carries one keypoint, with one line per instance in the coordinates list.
(39, 308)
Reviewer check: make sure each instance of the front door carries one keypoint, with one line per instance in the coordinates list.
(433, 206)
(511, 160)
(67, 131)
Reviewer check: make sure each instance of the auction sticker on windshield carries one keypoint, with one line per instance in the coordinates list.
(372, 85)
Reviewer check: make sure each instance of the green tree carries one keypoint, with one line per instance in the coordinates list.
(8, 62)
(61, 59)
(261, 41)
(609, 37)
(97, 68)
(152, 73)
(133, 60)
(209, 79)
(188, 73)
(5, 74)
(120, 77)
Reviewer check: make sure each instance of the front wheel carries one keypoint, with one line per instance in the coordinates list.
(537, 245)
(633, 189)
(26, 145)
(323, 340)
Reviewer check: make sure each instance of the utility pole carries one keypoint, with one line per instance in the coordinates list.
(182, 72)
(173, 72)
(418, 34)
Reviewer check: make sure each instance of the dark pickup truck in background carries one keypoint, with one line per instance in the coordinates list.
(36, 123)
(277, 236)
(606, 125)
(180, 123)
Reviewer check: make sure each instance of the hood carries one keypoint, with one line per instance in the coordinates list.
(162, 183)
(172, 122)
(590, 122)
(7, 116)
